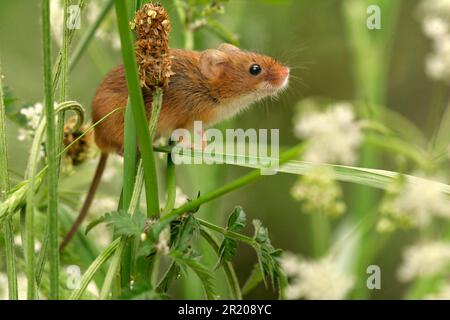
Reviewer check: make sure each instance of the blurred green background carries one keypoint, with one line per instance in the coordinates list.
(310, 36)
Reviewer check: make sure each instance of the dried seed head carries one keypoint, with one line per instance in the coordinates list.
(152, 26)
(84, 148)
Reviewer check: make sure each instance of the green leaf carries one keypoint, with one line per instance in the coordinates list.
(125, 224)
(192, 261)
(236, 222)
(13, 105)
(183, 232)
(261, 233)
(268, 257)
(253, 280)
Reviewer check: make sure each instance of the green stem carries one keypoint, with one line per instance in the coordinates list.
(93, 268)
(129, 175)
(171, 186)
(30, 175)
(137, 103)
(320, 231)
(10, 260)
(4, 188)
(232, 279)
(58, 64)
(114, 266)
(228, 233)
(64, 81)
(181, 8)
(64, 75)
(371, 51)
(52, 175)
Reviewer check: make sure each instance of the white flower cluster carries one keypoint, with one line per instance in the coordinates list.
(436, 26)
(33, 116)
(319, 192)
(333, 136)
(424, 259)
(105, 32)
(315, 279)
(418, 203)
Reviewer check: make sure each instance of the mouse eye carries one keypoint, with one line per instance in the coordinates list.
(255, 69)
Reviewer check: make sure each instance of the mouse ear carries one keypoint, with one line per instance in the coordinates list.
(212, 63)
(226, 47)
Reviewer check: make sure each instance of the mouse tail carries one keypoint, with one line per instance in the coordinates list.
(88, 201)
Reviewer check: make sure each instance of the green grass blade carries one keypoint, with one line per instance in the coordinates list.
(137, 104)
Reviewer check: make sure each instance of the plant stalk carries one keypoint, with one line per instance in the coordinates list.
(52, 175)
(4, 188)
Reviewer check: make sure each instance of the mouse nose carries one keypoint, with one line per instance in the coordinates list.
(285, 72)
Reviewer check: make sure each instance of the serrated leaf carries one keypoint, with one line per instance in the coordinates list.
(183, 233)
(125, 224)
(261, 233)
(146, 248)
(236, 222)
(268, 256)
(192, 261)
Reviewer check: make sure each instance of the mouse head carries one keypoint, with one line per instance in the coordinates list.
(235, 73)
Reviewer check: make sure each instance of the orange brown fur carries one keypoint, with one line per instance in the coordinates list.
(190, 95)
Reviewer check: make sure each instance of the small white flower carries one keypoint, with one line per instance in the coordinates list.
(33, 115)
(435, 27)
(18, 242)
(333, 135)
(435, 67)
(319, 192)
(163, 246)
(24, 134)
(316, 279)
(290, 263)
(424, 259)
(420, 202)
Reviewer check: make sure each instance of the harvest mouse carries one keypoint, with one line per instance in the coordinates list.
(208, 86)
